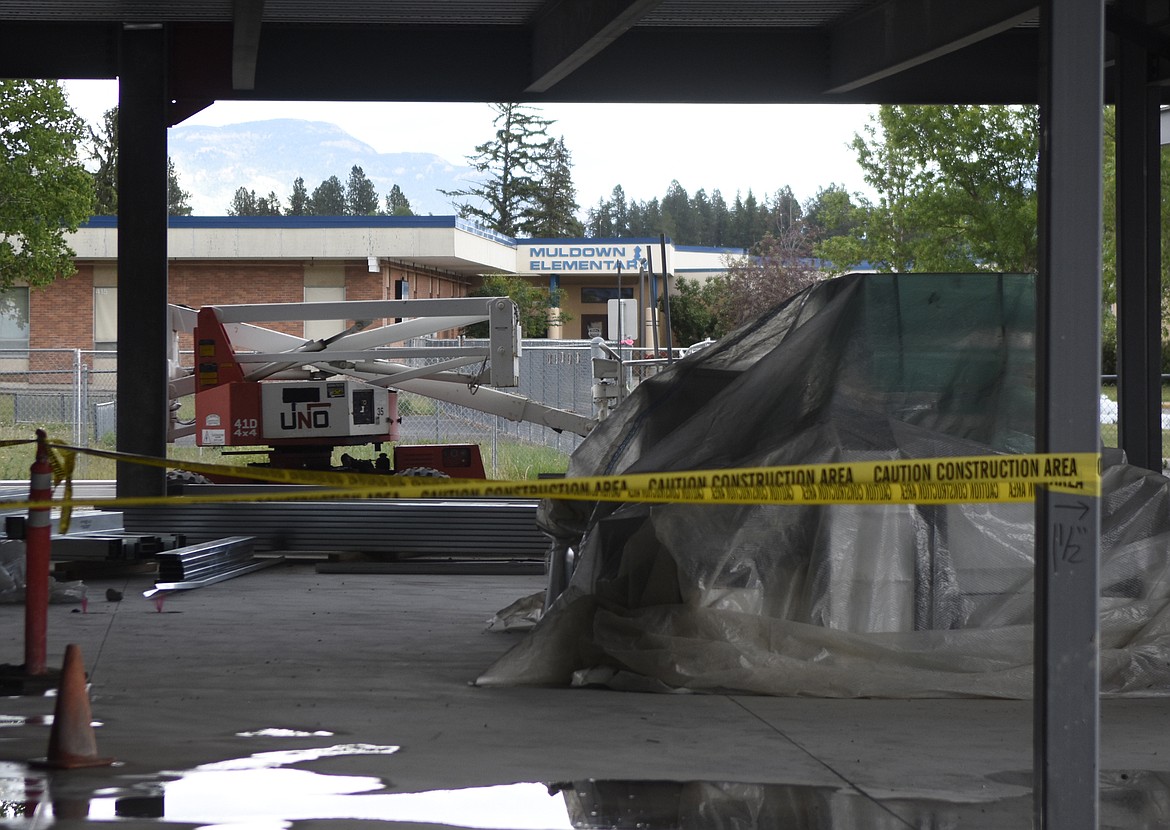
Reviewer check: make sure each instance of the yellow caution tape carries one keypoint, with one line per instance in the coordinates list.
(268, 474)
(63, 461)
(947, 480)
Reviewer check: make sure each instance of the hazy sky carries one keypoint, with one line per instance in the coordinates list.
(642, 147)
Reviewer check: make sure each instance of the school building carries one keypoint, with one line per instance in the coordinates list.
(229, 260)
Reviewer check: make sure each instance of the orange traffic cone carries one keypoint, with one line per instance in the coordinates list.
(72, 743)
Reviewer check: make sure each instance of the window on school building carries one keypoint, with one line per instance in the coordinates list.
(599, 294)
(105, 308)
(105, 318)
(324, 283)
(14, 318)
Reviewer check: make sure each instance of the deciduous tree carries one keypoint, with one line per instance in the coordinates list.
(694, 310)
(45, 191)
(956, 190)
(778, 267)
(538, 306)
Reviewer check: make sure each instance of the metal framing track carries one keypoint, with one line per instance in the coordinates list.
(465, 528)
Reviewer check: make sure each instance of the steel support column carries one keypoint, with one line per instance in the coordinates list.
(1139, 266)
(142, 257)
(1068, 388)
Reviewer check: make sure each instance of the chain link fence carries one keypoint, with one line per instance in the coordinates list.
(71, 394)
(555, 373)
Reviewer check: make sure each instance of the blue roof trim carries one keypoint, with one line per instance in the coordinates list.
(705, 249)
(590, 240)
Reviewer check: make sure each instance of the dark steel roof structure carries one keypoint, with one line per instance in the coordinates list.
(837, 51)
(175, 57)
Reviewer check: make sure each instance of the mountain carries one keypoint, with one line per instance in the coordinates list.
(212, 162)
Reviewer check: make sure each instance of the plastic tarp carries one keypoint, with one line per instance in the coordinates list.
(839, 600)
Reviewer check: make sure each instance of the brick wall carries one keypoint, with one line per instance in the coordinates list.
(424, 286)
(435, 286)
(61, 314)
(360, 284)
(234, 283)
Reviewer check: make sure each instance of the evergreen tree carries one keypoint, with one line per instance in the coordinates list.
(748, 222)
(361, 199)
(651, 220)
(737, 228)
(298, 201)
(243, 203)
(620, 212)
(104, 151)
(328, 199)
(512, 166)
(268, 205)
(720, 220)
(246, 203)
(177, 197)
(636, 219)
(600, 220)
(554, 209)
(701, 219)
(676, 213)
(634, 211)
(45, 192)
(397, 204)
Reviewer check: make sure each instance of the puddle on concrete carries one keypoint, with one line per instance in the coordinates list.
(262, 792)
(34, 720)
(26, 720)
(274, 732)
(285, 757)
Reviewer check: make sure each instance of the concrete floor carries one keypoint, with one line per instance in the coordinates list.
(354, 666)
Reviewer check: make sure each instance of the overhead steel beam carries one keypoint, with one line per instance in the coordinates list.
(899, 34)
(1139, 263)
(1130, 26)
(565, 35)
(750, 65)
(58, 50)
(247, 16)
(143, 335)
(1066, 718)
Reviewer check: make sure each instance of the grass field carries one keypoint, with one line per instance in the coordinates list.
(515, 460)
(1109, 431)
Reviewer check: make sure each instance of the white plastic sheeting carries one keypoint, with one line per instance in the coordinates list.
(841, 600)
